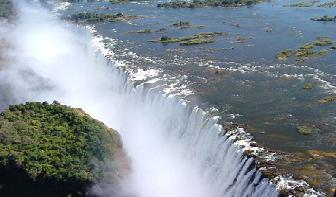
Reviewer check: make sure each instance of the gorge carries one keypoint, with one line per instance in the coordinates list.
(174, 149)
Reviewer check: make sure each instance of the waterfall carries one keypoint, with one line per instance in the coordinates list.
(175, 151)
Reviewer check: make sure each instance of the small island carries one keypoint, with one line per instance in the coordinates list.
(100, 18)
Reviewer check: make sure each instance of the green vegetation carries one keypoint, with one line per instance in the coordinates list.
(323, 41)
(6, 8)
(333, 47)
(182, 24)
(308, 50)
(324, 18)
(96, 18)
(304, 52)
(308, 46)
(206, 3)
(323, 52)
(305, 129)
(60, 149)
(308, 86)
(284, 55)
(197, 41)
(142, 31)
(328, 99)
(186, 24)
(146, 31)
(201, 38)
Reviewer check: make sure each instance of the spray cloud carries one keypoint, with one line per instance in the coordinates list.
(174, 150)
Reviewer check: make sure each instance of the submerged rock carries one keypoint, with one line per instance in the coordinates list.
(284, 55)
(324, 18)
(319, 153)
(307, 50)
(308, 86)
(323, 52)
(147, 31)
(186, 24)
(323, 41)
(305, 129)
(201, 38)
(54, 150)
(328, 99)
(142, 31)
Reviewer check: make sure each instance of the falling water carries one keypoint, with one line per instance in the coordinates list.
(175, 151)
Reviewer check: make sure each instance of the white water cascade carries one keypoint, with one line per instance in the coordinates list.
(174, 150)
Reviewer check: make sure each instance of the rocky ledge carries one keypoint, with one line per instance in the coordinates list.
(292, 173)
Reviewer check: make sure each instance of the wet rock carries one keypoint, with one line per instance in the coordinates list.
(308, 86)
(284, 55)
(161, 30)
(323, 41)
(201, 38)
(98, 18)
(307, 50)
(328, 99)
(332, 192)
(142, 31)
(323, 52)
(249, 153)
(324, 18)
(197, 41)
(253, 144)
(186, 24)
(304, 53)
(305, 129)
(318, 153)
(299, 189)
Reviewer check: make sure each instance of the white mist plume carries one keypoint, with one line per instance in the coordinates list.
(174, 150)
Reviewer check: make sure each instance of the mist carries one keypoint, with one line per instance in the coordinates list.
(174, 151)
(51, 60)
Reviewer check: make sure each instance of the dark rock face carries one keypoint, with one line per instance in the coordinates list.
(15, 181)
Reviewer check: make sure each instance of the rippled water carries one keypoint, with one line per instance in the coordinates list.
(241, 79)
(264, 93)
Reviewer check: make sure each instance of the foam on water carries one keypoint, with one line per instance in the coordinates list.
(175, 151)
